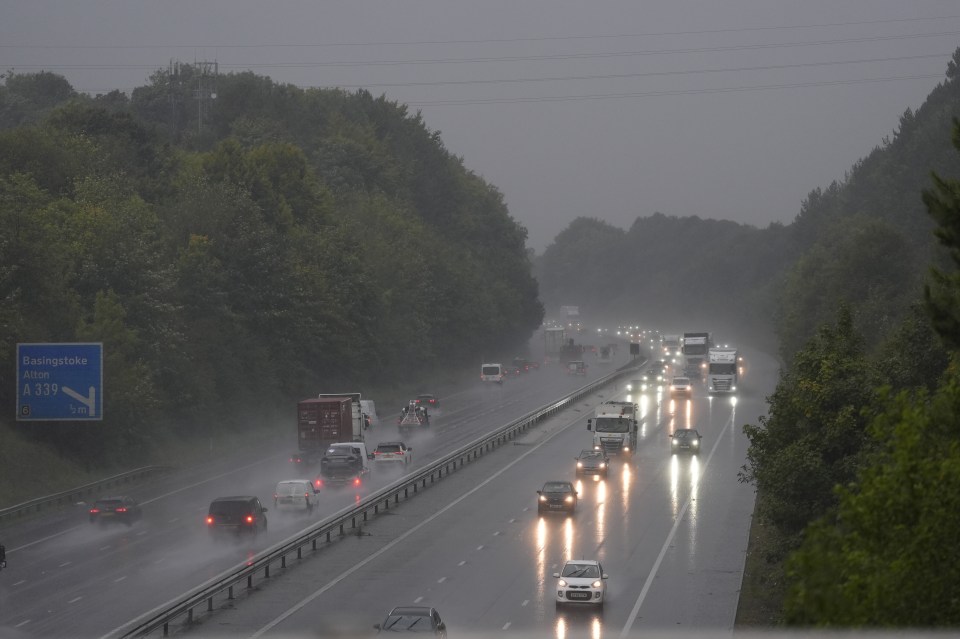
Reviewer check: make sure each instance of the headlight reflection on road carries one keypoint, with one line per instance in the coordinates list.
(600, 530)
(626, 477)
(542, 575)
(596, 628)
(568, 553)
(689, 413)
(674, 483)
(694, 486)
(561, 628)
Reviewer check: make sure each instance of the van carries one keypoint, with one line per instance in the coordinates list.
(492, 373)
(297, 494)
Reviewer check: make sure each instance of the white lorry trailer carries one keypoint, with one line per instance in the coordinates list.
(615, 427)
(694, 348)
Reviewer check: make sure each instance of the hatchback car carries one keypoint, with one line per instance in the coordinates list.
(421, 619)
(295, 494)
(557, 495)
(685, 440)
(123, 510)
(389, 453)
(241, 514)
(681, 387)
(592, 462)
(581, 581)
(577, 367)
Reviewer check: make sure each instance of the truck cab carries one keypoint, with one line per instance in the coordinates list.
(342, 464)
(615, 427)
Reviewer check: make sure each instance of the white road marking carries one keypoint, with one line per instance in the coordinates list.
(119, 579)
(525, 602)
(480, 547)
(460, 564)
(141, 533)
(296, 607)
(418, 600)
(513, 521)
(104, 547)
(32, 543)
(506, 625)
(75, 599)
(64, 564)
(22, 581)
(441, 580)
(669, 540)
(22, 623)
(496, 533)
(174, 520)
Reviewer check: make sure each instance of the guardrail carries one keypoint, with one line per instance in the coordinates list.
(224, 585)
(70, 496)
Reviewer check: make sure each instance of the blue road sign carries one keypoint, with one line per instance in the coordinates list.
(59, 382)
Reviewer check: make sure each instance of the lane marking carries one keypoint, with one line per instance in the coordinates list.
(174, 520)
(22, 623)
(104, 547)
(441, 580)
(75, 599)
(299, 605)
(460, 564)
(418, 600)
(525, 602)
(480, 547)
(669, 540)
(506, 625)
(141, 533)
(64, 564)
(22, 581)
(496, 533)
(119, 579)
(43, 539)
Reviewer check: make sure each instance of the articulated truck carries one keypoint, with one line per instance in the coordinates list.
(723, 370)
(695, 347)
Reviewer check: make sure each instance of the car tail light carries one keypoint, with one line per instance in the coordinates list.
(356, 481)
(121, 509)
(275, 496)
(249, 519)
(94, 511)
(307, 495)
(209, 520)
(318, 483)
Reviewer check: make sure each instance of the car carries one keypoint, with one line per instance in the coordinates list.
(430, 400)
(685, 440)
(295, 494)
(557, 495)
(238, 514)
(581, 581)
(420, 619)
(513, 371)
(592, 461)
(304, 459)
(525, 365)
(123, 510)
(681, 386)
(392, 453)
(492, 373)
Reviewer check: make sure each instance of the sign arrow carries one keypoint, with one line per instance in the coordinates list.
(90, 402)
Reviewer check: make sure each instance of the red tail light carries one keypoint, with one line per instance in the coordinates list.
(318, 483)
(249, 519)
(306, 495)
(356, 481)
(209, 520)
(94, 511)
(121, 509)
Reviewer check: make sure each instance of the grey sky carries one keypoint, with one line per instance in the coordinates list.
(608, 109)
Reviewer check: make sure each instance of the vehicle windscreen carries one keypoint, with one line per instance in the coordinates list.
(108, 504)
(590, 455)
(388, 448)
(611, 425)
(723, 369)
(683, 434)
(586, 571)
(556, 487)
(408, 623)
(491, 370)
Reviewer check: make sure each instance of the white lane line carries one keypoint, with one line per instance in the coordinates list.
(506, 626)
(460, 564)
(119, 579)
(497, 533)
(43, 539)
(525, 602)
(22, 623)
(441, 580)
(418, 600)
(65, 564)
(160, 561)
(209, 479)
(141, 533)
(174, 520)
(669, 540)
(480, 547)
(296, 607)
(104, 547)
(75, 599)
(513, 521)
(22, 581)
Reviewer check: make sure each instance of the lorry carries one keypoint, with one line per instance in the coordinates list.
(615, 427)
(356, 411)
(694, 349)
(322, 421)
(671, 347)
(570, 351)
(553, 341)
(723, 365)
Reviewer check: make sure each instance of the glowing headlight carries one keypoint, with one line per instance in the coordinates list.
(543, 498)
(562, 583)
(629, 387)
(579, 464)
(568, 499)
(596, 584)
(696, 442)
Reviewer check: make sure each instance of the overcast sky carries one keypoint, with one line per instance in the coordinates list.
(726, 109)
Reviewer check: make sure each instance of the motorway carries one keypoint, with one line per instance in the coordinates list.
(68, 578)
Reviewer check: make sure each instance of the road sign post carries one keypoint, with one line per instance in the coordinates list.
(60, 382)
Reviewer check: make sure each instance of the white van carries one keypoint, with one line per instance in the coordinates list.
(298, 494)
(492, 373)
(369, 408)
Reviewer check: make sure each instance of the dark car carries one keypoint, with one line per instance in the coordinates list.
(557, 495)
(241, 514)
(593, 462)
(685, 440)
(430, 400)
(304, 459)
(522, 365)
(124, 510)
(414, 619)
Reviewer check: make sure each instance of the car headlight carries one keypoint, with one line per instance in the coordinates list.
(596, 584)
(696, 442)
(675, 442)
(602, 465)
(568, 499)
(562, 583)
(629, 387)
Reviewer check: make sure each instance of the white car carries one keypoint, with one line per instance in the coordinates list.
(392, 453)
(295, 494)
(581, 581)
(681, 386)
